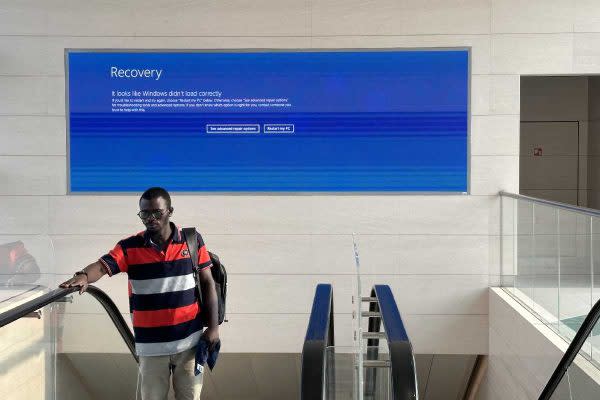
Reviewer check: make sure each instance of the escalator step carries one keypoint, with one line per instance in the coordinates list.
(376, 364)
(369, 299)
(374, 335)
(376, 314)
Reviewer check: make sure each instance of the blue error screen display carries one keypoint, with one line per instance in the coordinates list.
(264, 121)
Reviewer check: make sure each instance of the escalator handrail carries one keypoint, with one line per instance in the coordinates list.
(111, 309)
(578, 341)
(319, 336)
(402, 361)
(117, 318)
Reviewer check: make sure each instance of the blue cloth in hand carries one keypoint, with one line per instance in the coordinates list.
(206, 356)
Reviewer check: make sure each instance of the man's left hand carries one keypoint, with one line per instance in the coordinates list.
(211, 335)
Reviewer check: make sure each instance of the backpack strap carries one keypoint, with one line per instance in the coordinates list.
(192, 243)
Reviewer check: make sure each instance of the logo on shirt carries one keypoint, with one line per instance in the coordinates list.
(185, 253)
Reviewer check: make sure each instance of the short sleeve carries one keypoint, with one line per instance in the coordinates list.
(115, 261)
(203, 256)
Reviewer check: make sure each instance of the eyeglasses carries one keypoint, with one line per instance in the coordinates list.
(146, 214)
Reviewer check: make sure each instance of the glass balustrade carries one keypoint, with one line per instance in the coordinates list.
(550, 260)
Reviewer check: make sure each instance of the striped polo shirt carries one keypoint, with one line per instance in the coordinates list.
(163, 298)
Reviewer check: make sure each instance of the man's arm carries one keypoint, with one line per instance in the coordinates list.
(94, 272)
(210, 304)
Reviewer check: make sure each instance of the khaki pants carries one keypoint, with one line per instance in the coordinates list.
(155, 372)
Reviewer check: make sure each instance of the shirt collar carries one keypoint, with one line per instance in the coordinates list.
(176, 233)
(175, 236)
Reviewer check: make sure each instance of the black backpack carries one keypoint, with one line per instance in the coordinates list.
(218, 272)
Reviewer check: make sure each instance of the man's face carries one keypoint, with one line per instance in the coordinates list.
(154, 213)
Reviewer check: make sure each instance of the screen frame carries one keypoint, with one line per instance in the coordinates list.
(468, 49)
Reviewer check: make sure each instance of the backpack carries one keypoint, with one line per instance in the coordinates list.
(218, 272)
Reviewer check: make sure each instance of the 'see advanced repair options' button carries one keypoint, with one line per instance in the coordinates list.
(232, 128)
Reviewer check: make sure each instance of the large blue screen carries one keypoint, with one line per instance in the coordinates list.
(264, 121)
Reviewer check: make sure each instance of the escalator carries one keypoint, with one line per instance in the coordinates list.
(320, 378)
(65, 346)
(59, 295)
(382, 361)
(378, 366)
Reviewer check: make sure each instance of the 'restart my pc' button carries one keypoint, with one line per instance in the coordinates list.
(278, 128)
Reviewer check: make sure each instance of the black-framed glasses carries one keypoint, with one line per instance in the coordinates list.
(146, 214)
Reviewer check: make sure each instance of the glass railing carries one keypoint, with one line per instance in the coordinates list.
(340, 381)
(341, 374)
(28, 348)
(571, 387)
(576, 384)
(90, 352)
(61, 345)
(28, 356)
(574, 377)
(27, 265)
(550, 258)
(378, 375)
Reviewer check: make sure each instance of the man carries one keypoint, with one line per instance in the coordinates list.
(163, 298)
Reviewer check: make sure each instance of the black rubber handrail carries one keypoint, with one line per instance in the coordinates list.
(582, 334)
(402, 362)
(319, 336)
(57, 294)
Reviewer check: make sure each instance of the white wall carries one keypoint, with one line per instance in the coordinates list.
(524, 353)
(439, 251)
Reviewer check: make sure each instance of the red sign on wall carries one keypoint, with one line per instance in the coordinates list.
(537, 151)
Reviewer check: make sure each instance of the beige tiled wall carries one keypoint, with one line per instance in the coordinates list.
(278, 245)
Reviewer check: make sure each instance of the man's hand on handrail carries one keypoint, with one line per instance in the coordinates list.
(89, 274)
